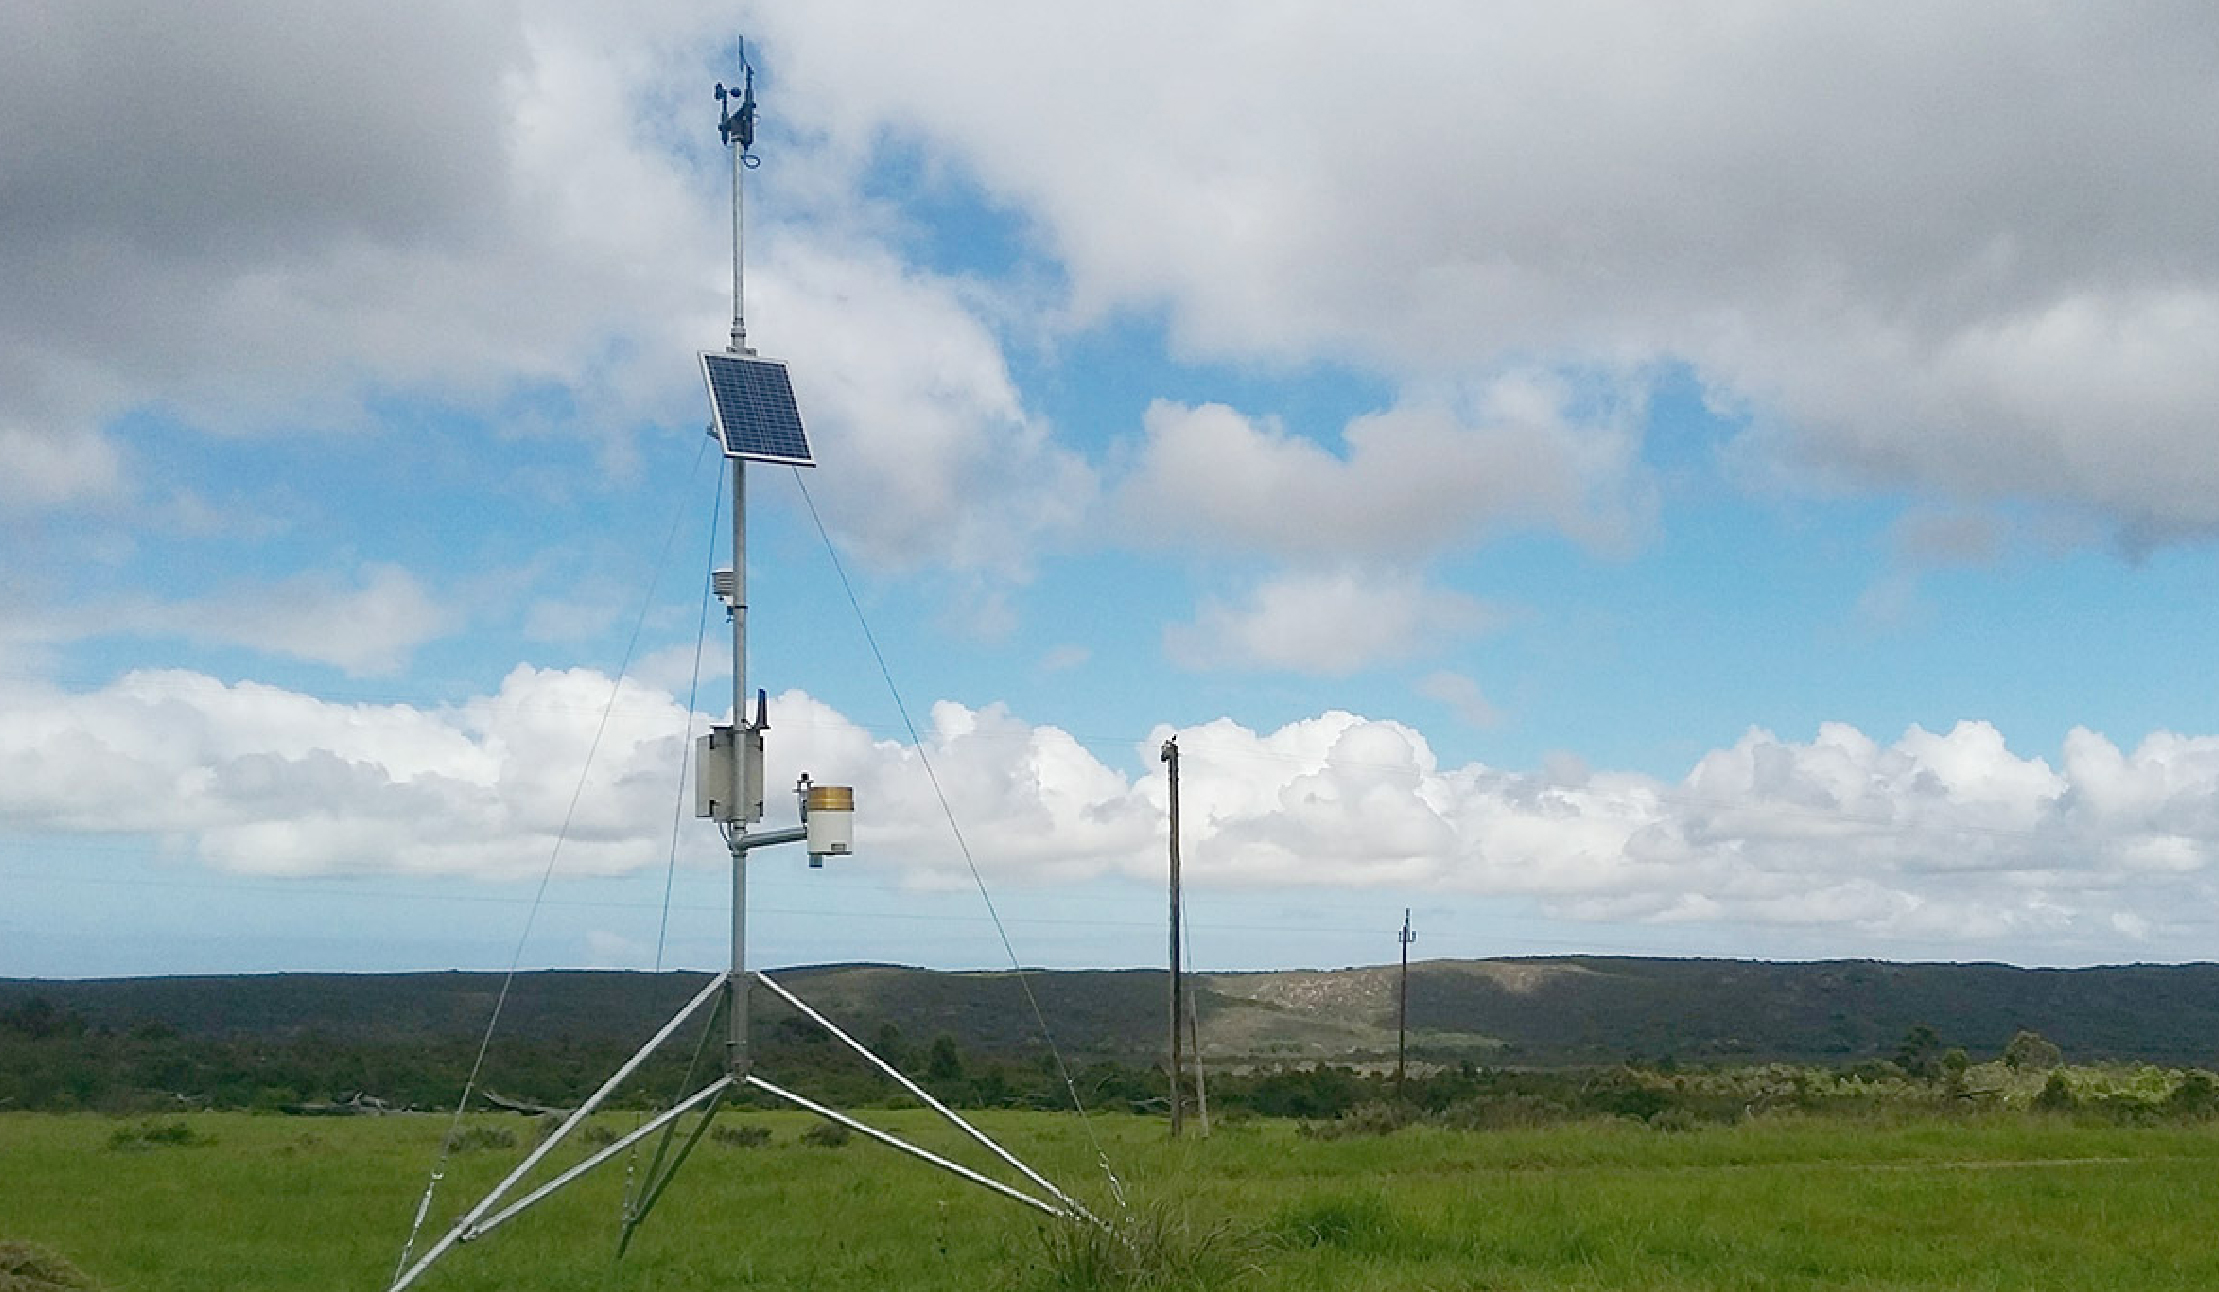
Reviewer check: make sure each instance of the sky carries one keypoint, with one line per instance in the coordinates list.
(1608, 478)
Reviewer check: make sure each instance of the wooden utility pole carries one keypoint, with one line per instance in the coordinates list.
(1170, 757)
(1402, 1004)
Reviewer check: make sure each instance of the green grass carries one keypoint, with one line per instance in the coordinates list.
(244, 1203)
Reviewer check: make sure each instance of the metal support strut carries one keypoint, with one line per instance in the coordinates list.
(482, 1219)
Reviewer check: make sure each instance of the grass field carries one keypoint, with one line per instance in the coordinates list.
(2014, 1201)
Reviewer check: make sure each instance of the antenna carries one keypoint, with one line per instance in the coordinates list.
(736, 126)
(753, 417)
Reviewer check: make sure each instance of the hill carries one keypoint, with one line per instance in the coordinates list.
(1522, 1012)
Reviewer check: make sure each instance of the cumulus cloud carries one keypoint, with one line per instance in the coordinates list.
(257, 260)
(365, 627)
(532, 232)
(257, 779)
(1941, 836)
(931, 454)
(1329, 623)
(1946, 247)
(1952, 247)
(1433, 473)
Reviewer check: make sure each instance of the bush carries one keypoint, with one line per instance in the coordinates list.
(2057, 1094)
(471, 1138)
(826, 1135)
(1374, 1118)
(743, 1135)
(1508, 1111)
(2195, 1096)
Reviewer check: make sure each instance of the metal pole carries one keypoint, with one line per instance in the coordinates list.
(1171, 757)
(739, 240)
(1402, 1004)
(738, 985)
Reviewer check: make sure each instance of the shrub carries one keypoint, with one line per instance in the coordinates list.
(1506, 1111)
(826, 1135)
(2195, 1096)
(743, 1135)
(2057, 1094)
(1374, 1118)
(471, 1138)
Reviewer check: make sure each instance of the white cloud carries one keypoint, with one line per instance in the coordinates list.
(1328, 623)
(45, 471)
(518, 222)
(1941, 837)
(252, 778)
(1463, 697)
(1938, 538)
(1955, 247)
(1942, 246)
(258, 262)
(1434, 473)
(930, 453)
(1064, 658)
(369, 628)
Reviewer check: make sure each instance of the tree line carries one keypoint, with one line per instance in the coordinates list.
(51, 1059)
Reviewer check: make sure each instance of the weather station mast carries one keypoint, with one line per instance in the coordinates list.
(753, 418)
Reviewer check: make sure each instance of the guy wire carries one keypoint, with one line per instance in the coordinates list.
(539, 894)
(947, 809)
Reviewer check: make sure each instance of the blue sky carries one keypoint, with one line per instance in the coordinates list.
(1732, 483)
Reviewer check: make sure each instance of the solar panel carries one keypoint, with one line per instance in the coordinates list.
(752, 401)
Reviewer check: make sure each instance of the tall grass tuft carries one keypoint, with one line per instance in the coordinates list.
(28, 1268)
(471, 1139)
(1149, 1247)
(150, 1134)
(1352, 1222)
